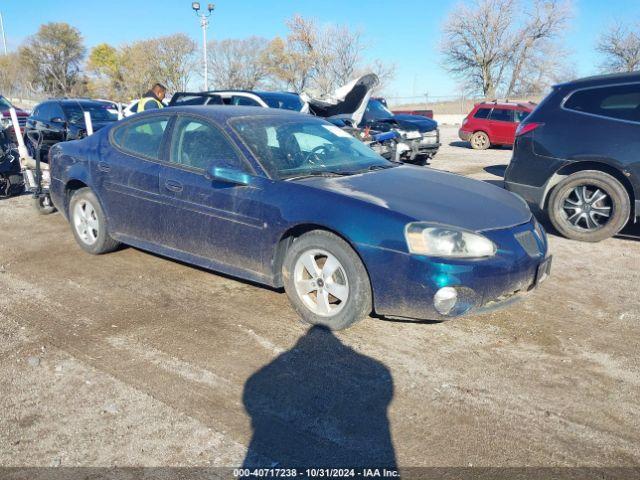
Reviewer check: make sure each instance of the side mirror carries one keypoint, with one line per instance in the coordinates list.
(228, 175)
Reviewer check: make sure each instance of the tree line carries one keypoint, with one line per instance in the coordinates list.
(491, 47)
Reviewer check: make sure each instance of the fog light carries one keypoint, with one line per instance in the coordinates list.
(445, 299)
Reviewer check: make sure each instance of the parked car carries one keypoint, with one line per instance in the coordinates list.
(5, 118)
(493, 123)
(249, 98)
(289, 200)
(61, 120)
(576, 156)
(419, 137)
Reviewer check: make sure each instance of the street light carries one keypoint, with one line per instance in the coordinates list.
(204, 23)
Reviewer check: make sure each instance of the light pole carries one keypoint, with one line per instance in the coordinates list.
(4, 38)
(204, 23)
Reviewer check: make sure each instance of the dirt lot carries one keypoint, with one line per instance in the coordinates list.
(133, 359)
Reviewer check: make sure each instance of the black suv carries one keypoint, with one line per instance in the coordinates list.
(59, 120)
(577, 156)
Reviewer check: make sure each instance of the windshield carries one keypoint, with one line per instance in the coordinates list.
(377, 111)
(98, 112)
(4, 104)
(282, 101)
(289, 147)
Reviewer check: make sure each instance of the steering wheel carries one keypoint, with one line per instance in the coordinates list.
(315, 153)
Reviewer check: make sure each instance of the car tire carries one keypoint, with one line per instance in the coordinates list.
(480, 141)
(579, 212)
(89, 224)
(338, 269)
(43, 205)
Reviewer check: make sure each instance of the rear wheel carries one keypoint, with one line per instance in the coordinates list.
(89, 224)
(326, 281)
(589, 206)
(480, 141)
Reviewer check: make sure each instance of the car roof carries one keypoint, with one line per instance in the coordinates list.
(508, 105)
(602, 80)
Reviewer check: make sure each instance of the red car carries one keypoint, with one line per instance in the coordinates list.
(493, 123)
(5, 117)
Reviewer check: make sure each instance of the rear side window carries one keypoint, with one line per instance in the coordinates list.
(521, 115)
(143, 137)
(501, 115)
(621, 102)
(482, 113)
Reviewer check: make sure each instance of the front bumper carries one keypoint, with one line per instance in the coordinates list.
(404, 285)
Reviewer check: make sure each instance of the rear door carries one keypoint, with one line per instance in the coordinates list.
(126, 176)
(502, 125)
(210, 219)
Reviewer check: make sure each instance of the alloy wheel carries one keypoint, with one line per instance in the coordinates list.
(85, 220)
(587, 207)
(321, 282)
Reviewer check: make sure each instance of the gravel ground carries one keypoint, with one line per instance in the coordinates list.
(130, 359)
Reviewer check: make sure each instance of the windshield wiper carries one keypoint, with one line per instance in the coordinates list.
(319, 174)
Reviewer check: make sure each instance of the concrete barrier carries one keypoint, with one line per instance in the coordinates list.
(449, 119)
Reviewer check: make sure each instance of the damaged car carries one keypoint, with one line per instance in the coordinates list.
(292, 201)
(418, 137)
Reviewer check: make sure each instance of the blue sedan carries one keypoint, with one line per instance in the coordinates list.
(289, 200)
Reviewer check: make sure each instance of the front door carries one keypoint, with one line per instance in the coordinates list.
(211, 219)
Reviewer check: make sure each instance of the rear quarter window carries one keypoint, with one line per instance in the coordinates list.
(482, 113)
(621, 102)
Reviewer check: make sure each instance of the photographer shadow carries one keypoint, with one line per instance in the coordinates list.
(320, 404)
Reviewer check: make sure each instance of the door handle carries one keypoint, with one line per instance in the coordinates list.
(103, 167)
(173, 186)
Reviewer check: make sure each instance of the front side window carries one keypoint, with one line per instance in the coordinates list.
(621, 102)
(143, 137)
(296, 147)
(501, 115)
(198, 144)
(521, 115)
(246, 101)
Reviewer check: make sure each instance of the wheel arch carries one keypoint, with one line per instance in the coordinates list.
(296, 231)
(70, 187)
(575, 167)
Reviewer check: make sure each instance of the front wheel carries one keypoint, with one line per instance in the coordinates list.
(326, 281)
(89, 223)
(589, 206)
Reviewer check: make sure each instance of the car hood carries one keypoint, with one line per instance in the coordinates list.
(351, 99)
(432, 196)
(19, 113)
(405, 122)
(423, 124)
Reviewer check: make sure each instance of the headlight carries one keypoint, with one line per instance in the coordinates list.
(5, 122)
(444, 241)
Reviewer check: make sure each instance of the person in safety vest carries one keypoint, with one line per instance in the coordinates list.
(153, 98)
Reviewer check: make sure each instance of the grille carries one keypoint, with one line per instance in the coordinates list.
(528, 241)
(22, 121)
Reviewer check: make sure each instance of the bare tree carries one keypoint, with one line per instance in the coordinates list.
(175, 55)
(620, 47)
(238, 63)
(489, 46)
(543, 24)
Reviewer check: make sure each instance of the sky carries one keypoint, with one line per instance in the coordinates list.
(404, 32)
